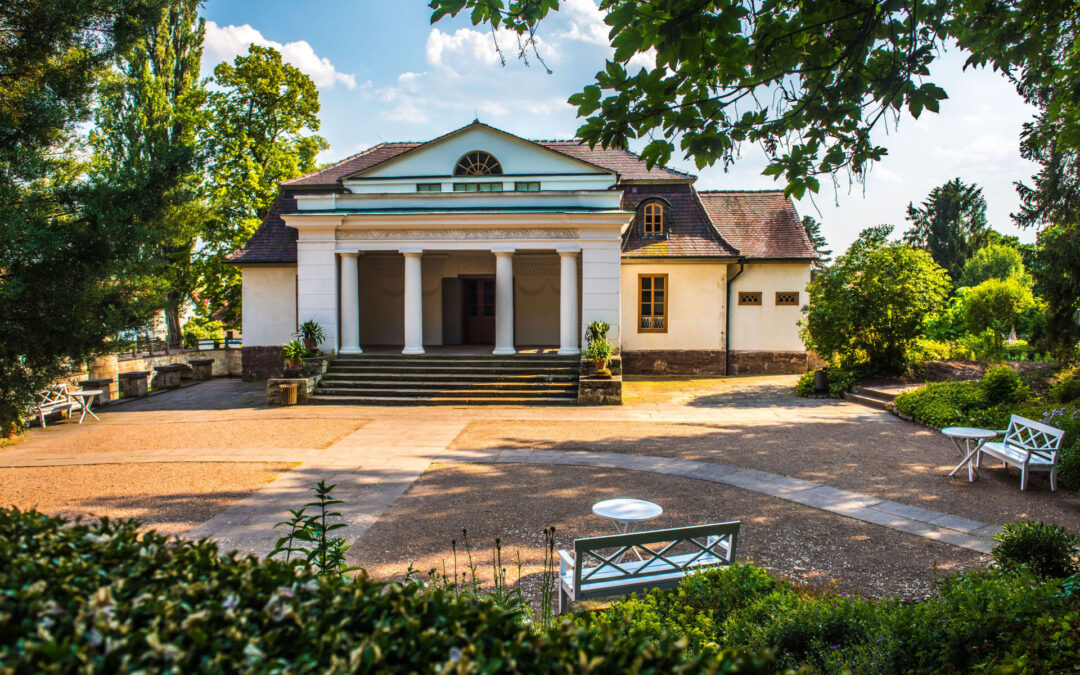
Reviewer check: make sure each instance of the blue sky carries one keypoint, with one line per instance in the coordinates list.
(385, 74)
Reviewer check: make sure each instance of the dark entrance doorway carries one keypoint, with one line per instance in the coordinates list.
(478, 310)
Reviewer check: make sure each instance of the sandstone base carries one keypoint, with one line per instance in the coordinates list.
(767, 363)
(261, 363)
(676, 362)
(600, 391)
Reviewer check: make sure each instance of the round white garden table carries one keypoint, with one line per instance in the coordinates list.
(968, 440)
(86, 397)
(627, 514)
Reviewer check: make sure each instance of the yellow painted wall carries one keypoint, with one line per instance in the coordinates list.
(269, 304)
(768, 327)
(695, 305)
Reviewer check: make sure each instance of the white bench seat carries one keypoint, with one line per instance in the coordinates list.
(56, 399)
(597, 568)
(1029, 446)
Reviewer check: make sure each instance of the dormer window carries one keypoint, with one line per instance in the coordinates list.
(478, 163)
(652, 219)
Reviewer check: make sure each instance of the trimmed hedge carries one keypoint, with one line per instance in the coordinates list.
(101, 597)
(985, 616)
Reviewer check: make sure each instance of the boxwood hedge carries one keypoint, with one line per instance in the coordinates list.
(103, 597)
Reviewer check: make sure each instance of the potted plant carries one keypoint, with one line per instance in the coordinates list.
(312, 333)
(597, 348)
(294, 352)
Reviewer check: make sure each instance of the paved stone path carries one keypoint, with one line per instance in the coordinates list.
(377, 463)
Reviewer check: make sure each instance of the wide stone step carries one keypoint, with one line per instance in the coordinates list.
(447, 377)
(458, 360)
(336, 383)
(437, 400)
(482, 392)
(871, 401)
(490, 370)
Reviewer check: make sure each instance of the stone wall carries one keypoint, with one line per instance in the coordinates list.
(226, 364)
(766, 363)
(261, 363)
(675, 362)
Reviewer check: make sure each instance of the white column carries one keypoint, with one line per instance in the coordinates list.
(504, 301)
(349, 297)
(569, 327)
(414, 302)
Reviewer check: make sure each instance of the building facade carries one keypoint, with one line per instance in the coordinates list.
(480, 237)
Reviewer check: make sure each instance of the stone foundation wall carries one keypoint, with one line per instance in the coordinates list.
(596, 391)
(766, 363)
(675, 362)
(226, 364)
(261, 363)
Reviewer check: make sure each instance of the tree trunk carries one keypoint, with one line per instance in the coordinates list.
(172, 321)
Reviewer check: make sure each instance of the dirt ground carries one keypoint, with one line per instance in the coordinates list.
(887, 458)
(170, 498)
(208, 435)
(515, 502)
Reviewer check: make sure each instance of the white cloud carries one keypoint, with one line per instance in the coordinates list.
(224, 43)
(585, 23)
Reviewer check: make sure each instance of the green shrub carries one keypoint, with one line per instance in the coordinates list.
(929, 350)
(1001, 384)
(941, 404)
(1065, 387)
(805, 385)
(101, 597)
(201, 328)
(1047, 550)
(975, 617)
(1069, 467)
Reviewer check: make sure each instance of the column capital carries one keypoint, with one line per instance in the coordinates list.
(502, 250)
(568, 250)
(411, 251)
(350, 254)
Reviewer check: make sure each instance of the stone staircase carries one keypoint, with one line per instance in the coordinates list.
(432, 379)
(877, 397)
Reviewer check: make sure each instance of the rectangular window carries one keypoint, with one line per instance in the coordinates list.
(652, 303)
(749, 297)
(478, 187)
(527, 186)
(429, 187)
(787, 298)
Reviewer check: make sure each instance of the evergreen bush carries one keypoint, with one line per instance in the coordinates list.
(1046, 549)
(102, 597)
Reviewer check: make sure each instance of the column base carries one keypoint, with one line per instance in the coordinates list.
(413, 350)
(350, 350)
(569, 352)
(504, 351)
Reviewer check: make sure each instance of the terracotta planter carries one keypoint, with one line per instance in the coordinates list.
(310, 344)
(600, 364)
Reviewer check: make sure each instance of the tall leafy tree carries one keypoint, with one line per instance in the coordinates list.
(71, 246)
(150, 106)
(874, 302)
(807, 80)
(994, 261)
(818, 241)
(262, 113)
(950, 224)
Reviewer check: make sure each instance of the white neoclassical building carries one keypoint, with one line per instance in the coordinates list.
(479, 237)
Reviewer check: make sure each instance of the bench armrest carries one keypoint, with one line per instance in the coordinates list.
(567, 561)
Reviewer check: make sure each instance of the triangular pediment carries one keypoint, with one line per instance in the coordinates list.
(517, 156)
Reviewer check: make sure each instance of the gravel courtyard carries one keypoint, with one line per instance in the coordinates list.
(214, 460)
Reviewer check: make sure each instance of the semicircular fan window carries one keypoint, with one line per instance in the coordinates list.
(478, 163)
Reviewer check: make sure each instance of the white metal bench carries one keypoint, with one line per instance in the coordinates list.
(1029, 446)
(56, 399)
(662, 566)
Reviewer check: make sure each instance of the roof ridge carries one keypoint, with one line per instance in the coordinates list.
(335, 164)
(758, 191)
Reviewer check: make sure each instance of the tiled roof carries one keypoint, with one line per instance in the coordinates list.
(272, 242)
(688, 232)
(629, 166)
(761, 224)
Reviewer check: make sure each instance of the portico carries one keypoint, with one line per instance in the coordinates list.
(503, 296)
